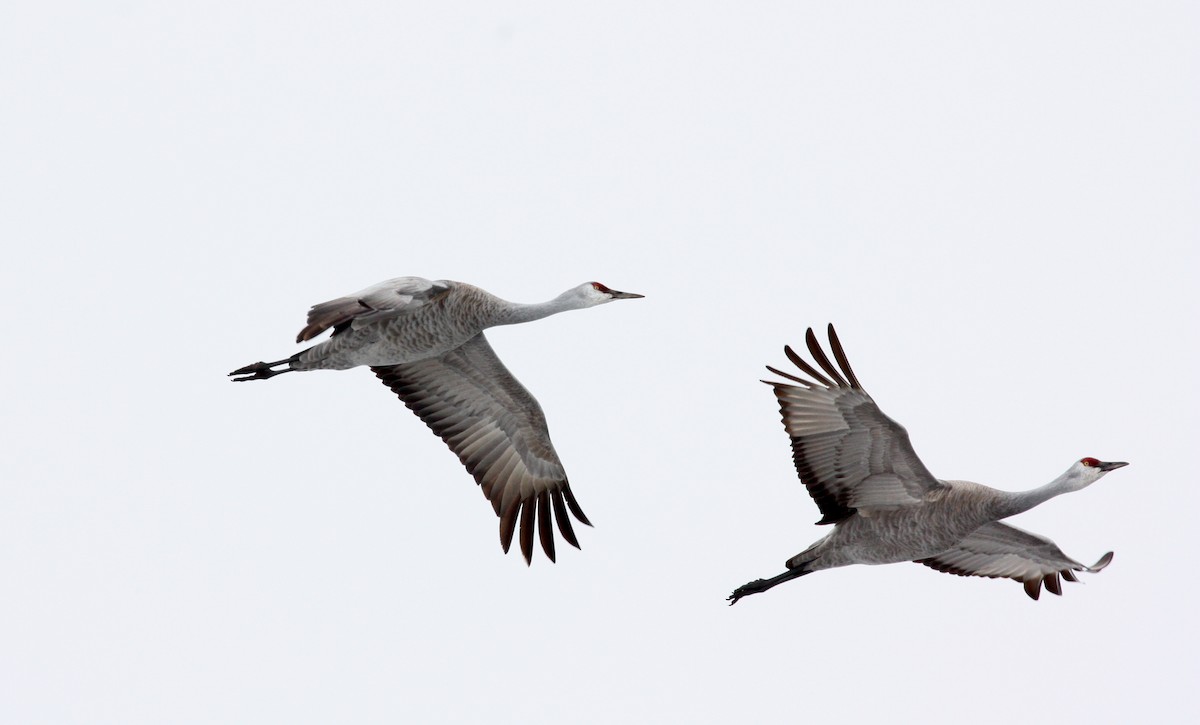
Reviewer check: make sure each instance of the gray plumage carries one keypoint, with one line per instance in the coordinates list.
(424, 339)
(885, 505)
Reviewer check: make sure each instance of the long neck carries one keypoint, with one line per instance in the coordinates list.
(513, 313)
(1015, 503)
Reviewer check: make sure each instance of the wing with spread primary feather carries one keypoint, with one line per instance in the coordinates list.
(849, 455)
(497, 429)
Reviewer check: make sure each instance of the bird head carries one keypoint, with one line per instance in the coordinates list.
(1087, 471)
(594, 293)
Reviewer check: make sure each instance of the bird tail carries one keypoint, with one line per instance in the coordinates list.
(800, 560)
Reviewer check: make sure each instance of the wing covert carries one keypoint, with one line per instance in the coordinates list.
(377, 302)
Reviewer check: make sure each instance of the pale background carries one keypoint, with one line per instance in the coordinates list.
(995, 202)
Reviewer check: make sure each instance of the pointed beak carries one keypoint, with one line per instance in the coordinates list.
(624, 295)
(1106, 467)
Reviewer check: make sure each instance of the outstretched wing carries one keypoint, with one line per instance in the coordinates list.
(498, 431)
(849, 455)
(998, 550)
(377, 302)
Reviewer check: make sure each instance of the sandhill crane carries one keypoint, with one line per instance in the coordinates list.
(886, 507)
(424, 340)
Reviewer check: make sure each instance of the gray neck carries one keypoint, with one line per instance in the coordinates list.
(1014, 503)
(513, 313)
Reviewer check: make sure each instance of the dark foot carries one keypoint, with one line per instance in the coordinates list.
(761, 585)
(260, 371)
(755, 587)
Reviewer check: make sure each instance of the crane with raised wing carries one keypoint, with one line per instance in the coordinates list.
(884, 504)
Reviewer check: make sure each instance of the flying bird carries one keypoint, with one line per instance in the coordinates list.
(424, 339)
(886, 507)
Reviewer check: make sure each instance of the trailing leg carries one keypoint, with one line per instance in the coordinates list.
(263, 370)
(761, 585)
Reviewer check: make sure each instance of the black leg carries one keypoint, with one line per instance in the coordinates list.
(263, 370)
(761, 585)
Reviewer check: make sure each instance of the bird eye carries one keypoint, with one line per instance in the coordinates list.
(1089, 462)
(600, 288)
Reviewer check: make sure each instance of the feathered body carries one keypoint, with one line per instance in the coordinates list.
(405, 320)
(424, 339)
(904, 534)
(886, 507)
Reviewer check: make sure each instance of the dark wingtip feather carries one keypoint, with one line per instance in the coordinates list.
(1033, 587)
(545, 528)
(508, 524)
(1069, 575)
(574, 505)
(1053, 584)
(814, 347)
(840, 355)
(528, 510)
(564, 521)
(789, 376)
(809, 369)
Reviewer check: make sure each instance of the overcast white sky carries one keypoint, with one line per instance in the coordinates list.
(995, 203)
